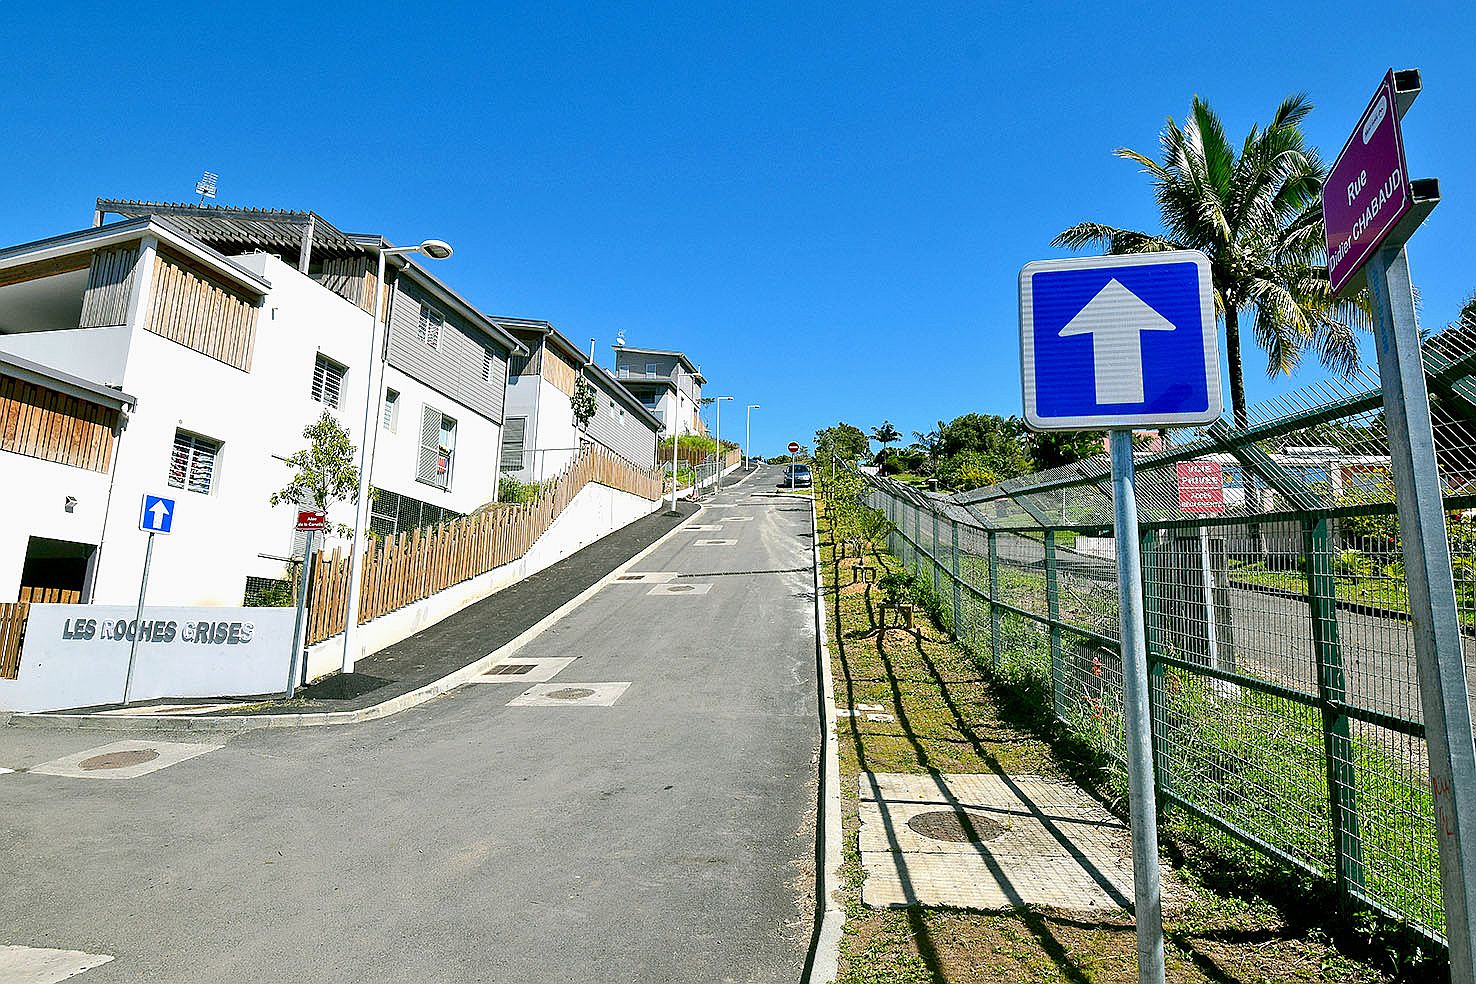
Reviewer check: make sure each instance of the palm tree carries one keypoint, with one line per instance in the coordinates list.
(884, 435)
(1258, 217)
(928, 443)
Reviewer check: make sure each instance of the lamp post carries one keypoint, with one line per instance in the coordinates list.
(718, 402)
(436, 249)
(747, 434)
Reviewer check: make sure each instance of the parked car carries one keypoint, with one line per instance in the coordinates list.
(796, 476)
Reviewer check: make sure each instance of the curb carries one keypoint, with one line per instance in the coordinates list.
(242, 723)
(823, 963)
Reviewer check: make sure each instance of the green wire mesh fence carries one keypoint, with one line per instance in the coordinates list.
(1285, 700)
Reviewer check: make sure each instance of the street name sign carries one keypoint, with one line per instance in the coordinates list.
(793, 447)
(1117, 342)
(1201, 487)
(1367, 190)
(156, 515)
(311, 519)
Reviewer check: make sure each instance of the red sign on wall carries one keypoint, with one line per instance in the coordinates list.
(1201, 487)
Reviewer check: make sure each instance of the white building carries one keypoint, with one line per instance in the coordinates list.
(227, 358)
(540, 436)
(667, 383)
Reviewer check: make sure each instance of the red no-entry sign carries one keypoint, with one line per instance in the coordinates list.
(793, 447)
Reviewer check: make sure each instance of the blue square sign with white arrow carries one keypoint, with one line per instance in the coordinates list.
(1119, 342)
(157, 514)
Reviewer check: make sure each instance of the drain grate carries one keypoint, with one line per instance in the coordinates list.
(956, 826)
(571, 693)
(118, 760)
(509, 669)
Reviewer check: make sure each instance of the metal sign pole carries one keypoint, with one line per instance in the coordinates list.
(143, 587)
(299, 626)
(1432, 602)
(1138, 721)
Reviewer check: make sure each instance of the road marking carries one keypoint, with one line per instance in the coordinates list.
(680, 589)
(38, 965)
(570, 695)
(127, 759)
(645, 577)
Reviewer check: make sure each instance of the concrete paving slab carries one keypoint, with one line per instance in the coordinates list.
(126, 759)
(645, 577)
(570, 695)
(532, 669)
(992, 842)
(684, 590)
(40, 965)
(713, 543)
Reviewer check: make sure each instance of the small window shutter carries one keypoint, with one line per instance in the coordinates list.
(512, 443)
(430, 444)
(487, 364)
(327, 381)
(391, 406)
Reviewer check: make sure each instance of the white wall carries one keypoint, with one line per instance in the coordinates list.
(556, 432)
(219, 538)
(69, 660)
(35, 493)
(595, 512)
(473, 468)
(96, 354)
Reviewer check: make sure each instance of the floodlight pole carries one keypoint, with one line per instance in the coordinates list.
(1138, 717)
(378, 312)
(748, 436)
(718, 402)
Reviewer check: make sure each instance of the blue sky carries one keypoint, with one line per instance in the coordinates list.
(825, 206)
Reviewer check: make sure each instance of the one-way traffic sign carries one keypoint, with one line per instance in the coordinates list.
(157, 514)
(1119, 341)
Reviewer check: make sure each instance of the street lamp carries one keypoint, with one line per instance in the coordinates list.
(436, 249)
(718, 401)
(747, 433)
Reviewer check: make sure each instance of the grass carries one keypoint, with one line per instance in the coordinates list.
(958, 712)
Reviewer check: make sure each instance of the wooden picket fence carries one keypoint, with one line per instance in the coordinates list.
(12, 631)
(416, 564)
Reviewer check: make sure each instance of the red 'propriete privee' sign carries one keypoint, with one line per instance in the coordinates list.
(310, 519)
(1201, 487)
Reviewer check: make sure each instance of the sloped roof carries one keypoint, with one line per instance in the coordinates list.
(231, 225)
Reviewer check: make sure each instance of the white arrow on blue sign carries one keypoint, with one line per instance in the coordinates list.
(1116, 342)
(157, 514)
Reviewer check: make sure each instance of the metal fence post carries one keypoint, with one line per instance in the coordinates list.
(937, 574)
(1347, 843)
(994, 626)
(1053, 615)
(1432, 602)
(958, 613)
(1157, 672)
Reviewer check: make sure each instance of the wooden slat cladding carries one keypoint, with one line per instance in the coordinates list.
(351, 278)
(109, 287)
(199, 312)
(12, 633)
(558, 370)
(50, 596)
(42, 423)
(43, 268)
(414, 565)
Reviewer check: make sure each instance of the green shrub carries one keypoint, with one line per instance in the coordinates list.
(510, 490)
(1353, 564)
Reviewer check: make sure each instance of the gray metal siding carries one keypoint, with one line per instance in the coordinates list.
(636, 440)
(455, 366)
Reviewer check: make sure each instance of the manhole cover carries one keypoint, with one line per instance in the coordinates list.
(680, 587)
(509, 669)
(956, 826)
(571, 693)
(118, 760)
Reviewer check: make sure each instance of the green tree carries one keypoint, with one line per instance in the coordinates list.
(845, 441)
(1052, 449)
(1258, 217)
(884, 435)
(583, 404)
(324, 472)
(929, 443)
(966, 470)
(1002, 441)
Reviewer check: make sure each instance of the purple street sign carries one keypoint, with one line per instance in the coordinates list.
(1367, 190)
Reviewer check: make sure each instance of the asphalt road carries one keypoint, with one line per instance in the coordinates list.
(669, 837)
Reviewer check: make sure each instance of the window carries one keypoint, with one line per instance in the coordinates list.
(437, 448)
(487, 363)
(327, 381)
(650, 368)
(431, 321)
(391, 513)
(192, 466)
(513, 430)
(651, 400)
(391, 410)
